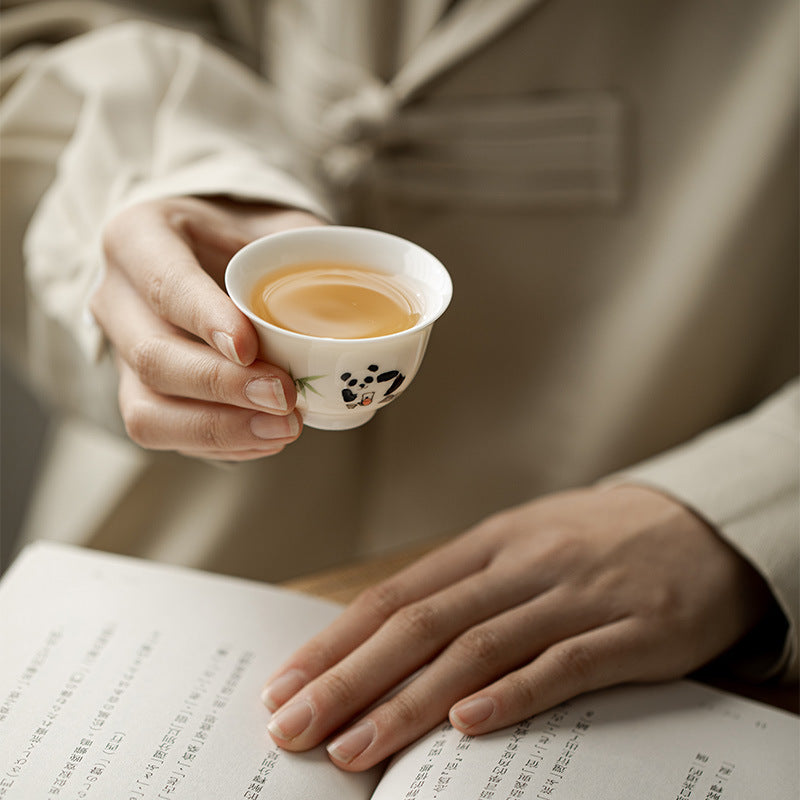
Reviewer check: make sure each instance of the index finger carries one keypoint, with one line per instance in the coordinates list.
(166, 273)
(443, 567)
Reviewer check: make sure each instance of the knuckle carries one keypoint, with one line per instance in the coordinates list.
(520, 692)
(661, 601)
(209, 431)
(316, 657)
(420, 620)
(576, 661)
(497, 525)
(562, 545)
(381, 600)
(180, 212)
(147, 360)
(406, 709)
(338, 689)
(212, 380)
(178, 217)
(481, 645)
(125, 226)
(137, 417)
(153, 290)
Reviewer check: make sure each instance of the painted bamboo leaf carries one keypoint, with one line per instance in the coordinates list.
(301, 384)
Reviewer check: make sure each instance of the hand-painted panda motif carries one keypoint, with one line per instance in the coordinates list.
(361, 391)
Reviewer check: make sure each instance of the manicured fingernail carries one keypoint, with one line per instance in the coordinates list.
(277, 692)
(471, 712)
(266, 426)
(267, 393)
(291, 721)
(354, 742)
(224, 343)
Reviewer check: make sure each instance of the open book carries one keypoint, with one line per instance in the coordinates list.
(122, 679)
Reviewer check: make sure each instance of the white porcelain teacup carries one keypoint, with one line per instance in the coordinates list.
(342, 382)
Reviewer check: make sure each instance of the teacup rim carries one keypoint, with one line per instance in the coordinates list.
(314, 230)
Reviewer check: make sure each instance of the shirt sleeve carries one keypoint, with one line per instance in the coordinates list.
(138, 111)
(743, 478)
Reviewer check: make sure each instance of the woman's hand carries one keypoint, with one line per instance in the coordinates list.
(189, 380)
(563, 595)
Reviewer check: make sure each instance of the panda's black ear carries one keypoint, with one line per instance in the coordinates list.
(398, 379)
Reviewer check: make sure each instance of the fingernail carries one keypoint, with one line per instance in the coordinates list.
(354, 742)
(224, 343)
(277, 692)
(473, 711)
(291, 721)
(267, 393)
(265, 426)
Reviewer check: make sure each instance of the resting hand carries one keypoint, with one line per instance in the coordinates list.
(189, 380)
(563, 595)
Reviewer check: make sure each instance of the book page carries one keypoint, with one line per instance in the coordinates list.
(676, 741)
(127, 680)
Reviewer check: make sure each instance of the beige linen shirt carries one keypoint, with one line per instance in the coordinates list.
(612, 186)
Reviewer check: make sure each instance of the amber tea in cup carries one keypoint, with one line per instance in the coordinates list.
(336, 300)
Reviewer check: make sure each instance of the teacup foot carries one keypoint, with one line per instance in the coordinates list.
(337, 422)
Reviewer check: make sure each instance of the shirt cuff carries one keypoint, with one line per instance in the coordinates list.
(743, 479)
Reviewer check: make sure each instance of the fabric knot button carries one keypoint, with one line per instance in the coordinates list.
(359, 116)
(343, 165)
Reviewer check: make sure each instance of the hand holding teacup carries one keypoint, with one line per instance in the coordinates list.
(189, 377)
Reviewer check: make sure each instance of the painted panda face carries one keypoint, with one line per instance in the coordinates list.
(361, 388)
